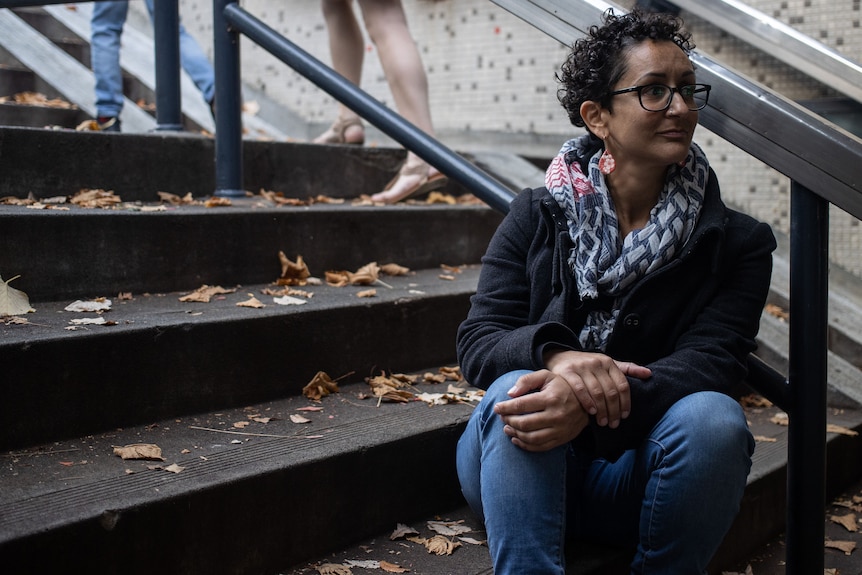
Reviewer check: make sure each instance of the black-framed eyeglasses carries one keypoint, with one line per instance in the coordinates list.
(657, 97)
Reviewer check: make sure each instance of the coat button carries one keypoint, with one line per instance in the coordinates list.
(632, 321)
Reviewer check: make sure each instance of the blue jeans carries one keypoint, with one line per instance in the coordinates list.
(106, 29)
(673, 498)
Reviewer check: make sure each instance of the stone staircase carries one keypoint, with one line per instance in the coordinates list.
(251, 480)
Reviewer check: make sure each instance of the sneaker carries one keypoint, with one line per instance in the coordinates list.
(108, 123)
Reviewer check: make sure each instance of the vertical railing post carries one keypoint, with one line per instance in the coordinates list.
(228, 114)
(806, 458)
(166, 31)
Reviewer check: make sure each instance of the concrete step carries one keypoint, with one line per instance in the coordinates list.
(161, 357)
(246, 499)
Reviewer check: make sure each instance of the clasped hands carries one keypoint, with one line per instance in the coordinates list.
(550, 407)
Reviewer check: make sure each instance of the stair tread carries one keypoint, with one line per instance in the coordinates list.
(145, 311)
(56, 484)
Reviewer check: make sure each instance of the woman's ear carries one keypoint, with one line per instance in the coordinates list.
(593, 115)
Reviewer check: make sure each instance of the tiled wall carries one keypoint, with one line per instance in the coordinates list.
(491, 73)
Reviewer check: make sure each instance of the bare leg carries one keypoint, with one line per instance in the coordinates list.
(346, 46)
(387, 27)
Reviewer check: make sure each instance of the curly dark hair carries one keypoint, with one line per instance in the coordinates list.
(597, 61)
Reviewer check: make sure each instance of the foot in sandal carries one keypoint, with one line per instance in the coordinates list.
(343, 131)
(413, 179)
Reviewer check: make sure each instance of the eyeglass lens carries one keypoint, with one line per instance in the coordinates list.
(657, 97)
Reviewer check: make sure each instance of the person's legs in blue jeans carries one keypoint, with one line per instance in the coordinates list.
(682, 488)
(106, 29)
(519, 495)
(674, 498)
(194, 61)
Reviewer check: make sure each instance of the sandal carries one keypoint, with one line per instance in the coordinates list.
(336, 132)
(424, 185)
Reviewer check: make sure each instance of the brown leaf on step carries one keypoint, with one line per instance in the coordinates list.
(217, 202)
(450, 269)
(402, 530)
(39, 99)
(295, 418)
(765, 439)
(434, 377)
(175, 200)
(174, 468)
(449, 527)
(367, 293)
(831, 572)
(334, 569)
(780, 419)
(241, 424)
(292, 273)
(847, 521)
(446, 277)
(251, 302)
(205, 293)
(832, 428)
(440, 545)
(452, 373)
(393, 568)
(437, 197)
(148, 451)
(95, 199)
(320, 386)
(394, 270)
(846, 546)
(754, 400)
(777, 311)
(366, 275)
(13, 301)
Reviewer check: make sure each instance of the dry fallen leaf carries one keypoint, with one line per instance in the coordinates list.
(320, 386)
(366, 275)
(97, 305)
(846, 546)
(299, 419)
(440, 545)
(217, 202)
(449, 527)
(95, 198)
(780, 419)
(251, 302)
(205, 293)
(393, 568)
(832, 428)
(847, 521)
(13, 301)
(777, 311)
(393, 269)
(174, 468)
(292, 273)
(765, 439)
(754, 400)
(402, 530)
(148, 451)
(367, 293)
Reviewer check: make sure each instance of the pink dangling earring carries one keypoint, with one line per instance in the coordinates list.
(607, 163)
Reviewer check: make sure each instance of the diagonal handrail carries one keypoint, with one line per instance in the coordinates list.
(781, 41)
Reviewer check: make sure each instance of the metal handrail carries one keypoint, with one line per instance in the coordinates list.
(781, 41)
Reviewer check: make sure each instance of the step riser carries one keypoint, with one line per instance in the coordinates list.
(116, 252)
(51, 163)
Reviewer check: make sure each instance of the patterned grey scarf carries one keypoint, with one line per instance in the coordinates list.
(602, 263)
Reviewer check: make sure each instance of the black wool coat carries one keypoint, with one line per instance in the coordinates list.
(692, 322)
